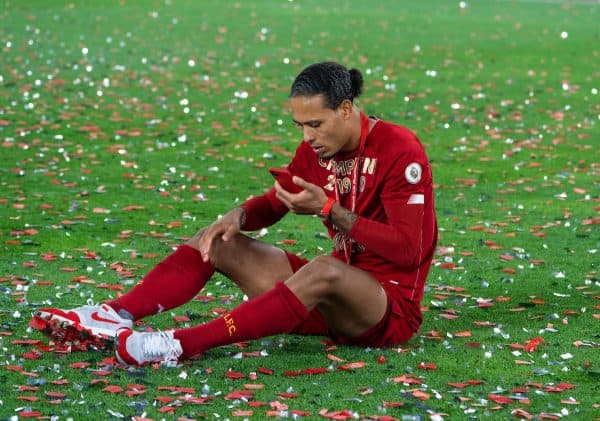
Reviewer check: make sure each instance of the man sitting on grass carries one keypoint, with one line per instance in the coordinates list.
(367, 179)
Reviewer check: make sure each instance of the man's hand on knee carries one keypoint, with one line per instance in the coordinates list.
(224, 228)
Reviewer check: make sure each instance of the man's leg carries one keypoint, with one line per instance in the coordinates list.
(349, 298)
(171, 283)
(255, 267)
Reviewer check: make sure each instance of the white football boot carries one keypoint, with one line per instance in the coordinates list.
(82, 327)
(141, 348)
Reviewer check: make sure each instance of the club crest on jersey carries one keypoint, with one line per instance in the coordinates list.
(413, 173)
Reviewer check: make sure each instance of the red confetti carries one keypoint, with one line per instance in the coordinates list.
(336, 415)
(352, 366)
(55, 395)
(30, 414)
(406, 379)
(166, 409)
(278, 406)
(235, 375)
(32, 355)
(264, 370)
(239, 394)
(287, 395)
(306, 371)
(499, 399)
(334, 358)
(113, 389)
(419, 394)
(178, 389)
(533, 344)
(521, 413)
(299, 413)
(79, 365)
(428, 366)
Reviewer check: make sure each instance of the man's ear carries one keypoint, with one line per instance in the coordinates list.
(346, 108)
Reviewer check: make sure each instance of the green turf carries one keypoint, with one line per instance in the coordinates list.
(127, 126)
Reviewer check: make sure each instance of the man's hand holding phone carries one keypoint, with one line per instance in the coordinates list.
(284, 178)
(302, 198)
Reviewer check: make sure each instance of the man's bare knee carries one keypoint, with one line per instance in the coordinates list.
(323, 272)
(327, 267)
(220, 251)
(194, 242)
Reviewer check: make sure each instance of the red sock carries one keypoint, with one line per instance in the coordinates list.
(275, 311)
(171, 283)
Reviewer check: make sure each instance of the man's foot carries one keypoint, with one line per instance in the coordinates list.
(92, 326)
(140, 348)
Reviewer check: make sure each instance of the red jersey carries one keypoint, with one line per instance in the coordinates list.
(395, 234)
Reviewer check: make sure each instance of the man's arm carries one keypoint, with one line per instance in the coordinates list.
(258, 212)
(342, 218)
(400, 240)
(262, 211)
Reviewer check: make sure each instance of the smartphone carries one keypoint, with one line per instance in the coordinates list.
(284, 178)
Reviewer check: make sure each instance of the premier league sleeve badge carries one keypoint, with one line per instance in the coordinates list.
(413, 173)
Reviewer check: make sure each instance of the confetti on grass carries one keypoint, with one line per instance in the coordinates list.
(116, 149)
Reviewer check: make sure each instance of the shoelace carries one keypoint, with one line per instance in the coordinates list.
(157, 344)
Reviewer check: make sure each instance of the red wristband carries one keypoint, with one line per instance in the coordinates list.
(327, 208)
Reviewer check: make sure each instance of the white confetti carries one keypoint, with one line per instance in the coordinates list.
(566, 356)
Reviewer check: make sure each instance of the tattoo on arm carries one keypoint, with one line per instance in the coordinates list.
(342, 218)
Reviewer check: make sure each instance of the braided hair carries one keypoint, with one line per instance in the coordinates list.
(332, 80)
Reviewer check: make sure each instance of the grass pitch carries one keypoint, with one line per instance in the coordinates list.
(127, 126)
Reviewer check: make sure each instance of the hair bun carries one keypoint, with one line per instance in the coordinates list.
(356, 79)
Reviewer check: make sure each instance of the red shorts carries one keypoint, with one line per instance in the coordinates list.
(394, 328)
